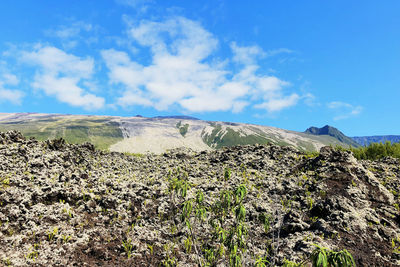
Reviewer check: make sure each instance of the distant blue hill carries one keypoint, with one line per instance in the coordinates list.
(366, 140)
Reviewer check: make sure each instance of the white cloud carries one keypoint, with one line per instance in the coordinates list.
(182, 71)
(246, 55)
(73, 30)
(310, 100)
(10, 79)
(13, 96)
(61, 74)
(139, 5)
(277, 104)
(133, 3)
(71, 35)
(9, 95)
(344, 110)
(278, 51)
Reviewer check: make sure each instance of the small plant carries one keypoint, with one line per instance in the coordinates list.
(396, 245)
(310, 202)
(288, 263)
(235, 258)
(33, 252)
(287, 204)
(188, 245)
(128, 247)
(261, 262)
(210, 256)
(396, 206)
(170, 260)
(66, 238)
(227, 174)
(151, 249)
(265, 219)
(324, 257)
(53, 234)
(4, 182)
(7, 262)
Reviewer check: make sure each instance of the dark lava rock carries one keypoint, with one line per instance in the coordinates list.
(72, 205)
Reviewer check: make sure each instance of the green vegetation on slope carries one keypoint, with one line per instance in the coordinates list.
(219, 138)
(182, 128)
(377, 150)
(101, 132)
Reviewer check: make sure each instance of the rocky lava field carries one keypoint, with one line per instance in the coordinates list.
(72, 205)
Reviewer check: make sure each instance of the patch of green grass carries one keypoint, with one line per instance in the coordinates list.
(182, 128)
(219, 138)
(101, 132)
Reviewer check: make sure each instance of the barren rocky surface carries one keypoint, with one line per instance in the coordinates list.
(72, 205)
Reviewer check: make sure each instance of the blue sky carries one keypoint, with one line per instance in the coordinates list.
(288, 64)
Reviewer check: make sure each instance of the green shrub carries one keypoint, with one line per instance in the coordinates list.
(377, 150)
(323, 257)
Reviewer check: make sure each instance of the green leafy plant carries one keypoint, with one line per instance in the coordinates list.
(151, 249)
(51, 235)
(33, 252)
(128, 247)
(169, 260)
(396, 245)
(265, 219)
(7, 262)
(324, 257)
(210, 256)
(288, 263)
(227, 174)
(235, 258)
(66, 238)
(261, 262)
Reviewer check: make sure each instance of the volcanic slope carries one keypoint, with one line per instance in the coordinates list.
(73, 205)
(156, 135)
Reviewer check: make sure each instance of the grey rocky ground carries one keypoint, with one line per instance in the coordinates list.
(72, 205)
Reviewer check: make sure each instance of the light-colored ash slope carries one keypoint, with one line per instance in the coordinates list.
(73, 205)
(155, 135)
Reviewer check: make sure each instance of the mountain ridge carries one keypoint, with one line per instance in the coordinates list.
(156, 135)
(367, 140)
(334, 132)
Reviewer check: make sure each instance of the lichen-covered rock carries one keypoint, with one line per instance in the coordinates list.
(72, 205)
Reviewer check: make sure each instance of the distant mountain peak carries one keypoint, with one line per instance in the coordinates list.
(326, 130)
(332, 131)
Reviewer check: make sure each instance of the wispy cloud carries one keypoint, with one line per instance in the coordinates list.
(246, 55)
(183, 71)
(73, 30)
(140, 5)
(274, 52)
(344, 110)
(277, 104)
(10, 95)
(63, 75)
(71, 34)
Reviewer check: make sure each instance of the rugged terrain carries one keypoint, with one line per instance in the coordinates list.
(73, 205)
(156, 135)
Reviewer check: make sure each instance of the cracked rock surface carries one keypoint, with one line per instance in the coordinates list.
(72, 205)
